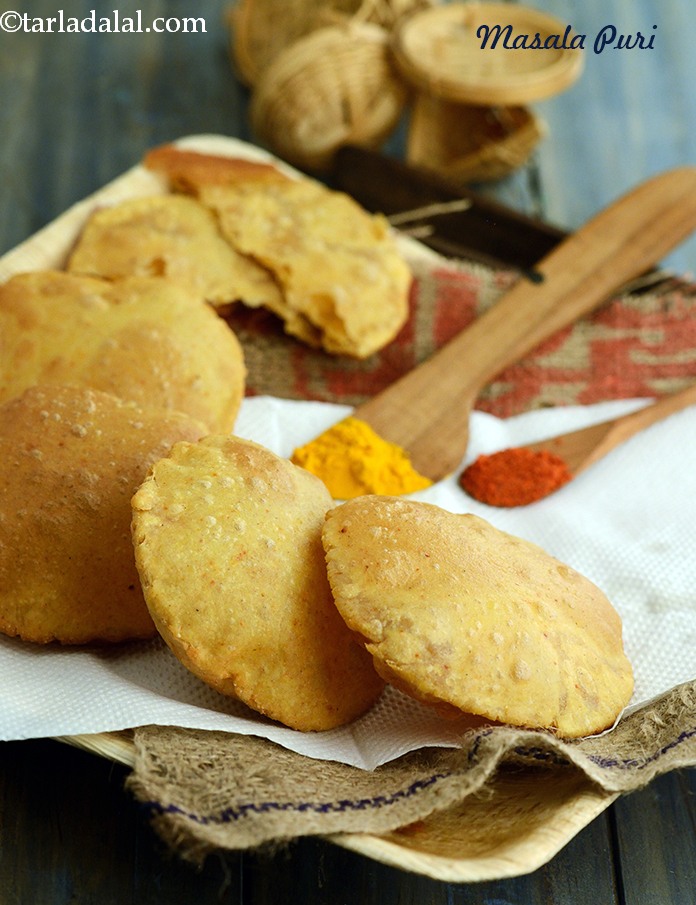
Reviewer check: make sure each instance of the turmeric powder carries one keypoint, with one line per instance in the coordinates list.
(353, 460)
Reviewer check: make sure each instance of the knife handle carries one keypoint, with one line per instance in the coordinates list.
(616, 245)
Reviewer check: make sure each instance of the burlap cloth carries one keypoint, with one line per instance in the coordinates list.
(211, 790)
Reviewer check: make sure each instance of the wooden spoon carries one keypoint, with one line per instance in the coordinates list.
(537, 476)
(581, 448)
(426, 411)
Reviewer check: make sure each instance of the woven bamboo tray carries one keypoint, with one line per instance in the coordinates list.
(524, 818)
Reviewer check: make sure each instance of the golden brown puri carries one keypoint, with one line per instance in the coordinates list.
(345, 286)
(338, 267)
(170, 236)
(70, 460)
(143, 339)
(458, 613)
(187, 171)
(227, 540)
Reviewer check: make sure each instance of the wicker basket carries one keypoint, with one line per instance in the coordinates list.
(388, 13)
(440, 51)
(468, 143)
(335, 86)
(261, 29)
(469, 120)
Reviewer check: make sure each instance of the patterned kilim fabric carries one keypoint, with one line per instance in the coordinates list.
(634, 345)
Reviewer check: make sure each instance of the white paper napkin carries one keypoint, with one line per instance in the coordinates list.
(628, 524)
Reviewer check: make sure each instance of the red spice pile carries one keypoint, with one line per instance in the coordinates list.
(514, 477)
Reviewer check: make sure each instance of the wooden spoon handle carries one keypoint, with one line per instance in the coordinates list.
(427, 410)
(622, 429)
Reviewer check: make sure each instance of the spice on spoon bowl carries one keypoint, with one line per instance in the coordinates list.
(514, 477)
(522, 475)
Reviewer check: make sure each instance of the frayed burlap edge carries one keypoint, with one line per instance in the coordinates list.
(206, 791)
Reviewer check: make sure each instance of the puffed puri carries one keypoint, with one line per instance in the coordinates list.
(227, 539)
(148, 340)
(70, 460)
(463, 616)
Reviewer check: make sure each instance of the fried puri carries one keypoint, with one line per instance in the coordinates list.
(70, 460)
(143, 339)
(344, 284)
(170, 236)
(227, 540)
(464, 616)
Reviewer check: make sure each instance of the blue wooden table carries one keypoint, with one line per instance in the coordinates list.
(76, 110)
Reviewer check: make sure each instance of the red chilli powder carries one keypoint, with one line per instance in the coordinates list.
(514, 477)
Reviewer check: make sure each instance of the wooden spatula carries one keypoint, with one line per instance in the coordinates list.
(581, 448)
(427, 410)
(521, 475)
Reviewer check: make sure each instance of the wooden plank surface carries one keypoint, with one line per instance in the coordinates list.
(76, 111)
(71, 835)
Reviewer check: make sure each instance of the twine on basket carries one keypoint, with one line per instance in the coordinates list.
(333, 87)
(261, 29)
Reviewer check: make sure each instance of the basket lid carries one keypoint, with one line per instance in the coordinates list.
(487, 53)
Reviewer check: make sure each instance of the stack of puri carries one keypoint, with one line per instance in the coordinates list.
(303, 609)
(242, 231)
(97, 380)
(110, 360)
(104, 365)
(129, 508)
